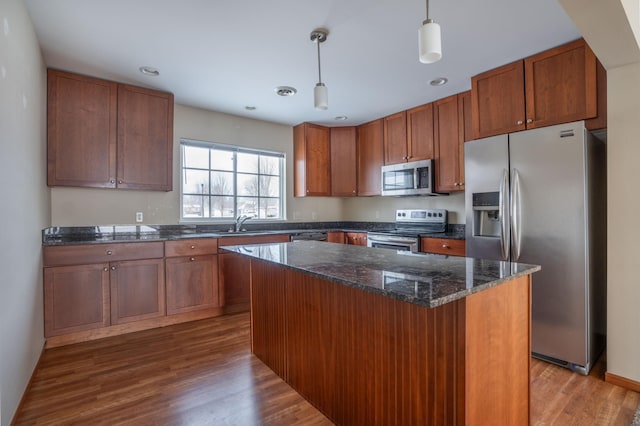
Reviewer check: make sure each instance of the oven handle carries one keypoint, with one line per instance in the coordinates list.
(403, 242)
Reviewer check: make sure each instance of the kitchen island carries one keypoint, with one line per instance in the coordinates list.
(374, 336)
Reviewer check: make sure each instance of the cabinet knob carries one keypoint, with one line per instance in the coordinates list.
(192, 259)
(529, 121)
(354, 191)
(105, 269)
(109, 252)
(119, 181)
(193, 247)
(444, 246)
(519, 122)
(113, 268)
(112, 181)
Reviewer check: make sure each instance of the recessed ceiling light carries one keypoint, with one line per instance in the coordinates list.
(250, 108)
(149, 71)
(341, 118)
(440, 81)
(285, 91)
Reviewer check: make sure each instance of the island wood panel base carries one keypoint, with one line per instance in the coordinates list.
(118, 329)
(363, 358)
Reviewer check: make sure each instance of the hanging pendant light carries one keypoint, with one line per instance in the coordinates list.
(320, 92)
(429, 40)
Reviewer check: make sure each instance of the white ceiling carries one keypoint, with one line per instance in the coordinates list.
(223, 55)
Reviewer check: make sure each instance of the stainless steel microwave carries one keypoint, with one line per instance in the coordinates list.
(413, 178)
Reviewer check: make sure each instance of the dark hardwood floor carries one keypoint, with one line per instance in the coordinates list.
(203, 373)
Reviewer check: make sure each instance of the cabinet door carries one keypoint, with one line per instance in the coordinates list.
(235, 279)
(442, 246)
(370, 158)
(192, 283)
(76, 298)
(312, 168)
(145, 139)
(420, 133)
(81, 131)
(343, 162)
(497, 101)
(395, 138)
(335, 237)
(561, 85)
(356, 238)
(137, 290)
(447, 142)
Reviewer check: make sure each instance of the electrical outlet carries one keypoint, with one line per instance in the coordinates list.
(314, 215)
(139, 217)
(377, 214)
(296, 215)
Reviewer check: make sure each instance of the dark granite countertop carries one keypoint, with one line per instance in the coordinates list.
(140, 233)
(423, 279)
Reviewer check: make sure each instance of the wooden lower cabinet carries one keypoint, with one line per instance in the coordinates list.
(137, 290)
(335, 237)
(235, 279)
(192, 283)
(76, 298)
(443, 246)
(356, 238)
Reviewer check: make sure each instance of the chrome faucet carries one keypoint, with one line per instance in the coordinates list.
(240, 221)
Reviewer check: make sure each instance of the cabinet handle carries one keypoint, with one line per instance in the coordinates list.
(529, 121)
(519, 122)
(105, 269)
(193, 247)
(109, 252)
(192, 259)
(113, 268)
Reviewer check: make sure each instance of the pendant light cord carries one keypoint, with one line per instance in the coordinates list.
(319, 69)
(427, 10)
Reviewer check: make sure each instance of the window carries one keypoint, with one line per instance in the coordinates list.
(224, 182)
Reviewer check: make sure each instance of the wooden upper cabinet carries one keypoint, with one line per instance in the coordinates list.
(145, 139)
(447, 143)
(395, 138)
(343, 162)
(370, 158)
(103, 134)
(561, 85)
(312, 157)
(556, 86)
(81, 128)
(497, 99)
(420, 133)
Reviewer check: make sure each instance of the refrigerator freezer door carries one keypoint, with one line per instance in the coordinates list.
(551, 168)
(486, 164)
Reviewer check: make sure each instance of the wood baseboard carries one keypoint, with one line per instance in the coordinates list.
(115, 330)
(622, 381)
(26, 390)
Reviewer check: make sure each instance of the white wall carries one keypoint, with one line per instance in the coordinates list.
(25, 209)
(382, 209)
(611, 29)
(79, 206)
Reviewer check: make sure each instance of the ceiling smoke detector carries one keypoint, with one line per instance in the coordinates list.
(285, 91)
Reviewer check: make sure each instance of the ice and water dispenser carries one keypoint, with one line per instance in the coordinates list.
(486, 214)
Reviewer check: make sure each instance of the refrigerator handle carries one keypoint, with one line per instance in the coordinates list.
(503, 211)
(516, 218)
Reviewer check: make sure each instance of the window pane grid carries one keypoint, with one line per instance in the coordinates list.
(238, 181)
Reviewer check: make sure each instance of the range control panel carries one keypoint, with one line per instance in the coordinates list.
(422, 215)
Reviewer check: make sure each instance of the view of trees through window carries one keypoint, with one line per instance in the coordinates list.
(220, 181)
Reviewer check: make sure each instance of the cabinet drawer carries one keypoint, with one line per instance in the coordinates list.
(259, 239)
(442, 246)
(191, 247)
(98, 253)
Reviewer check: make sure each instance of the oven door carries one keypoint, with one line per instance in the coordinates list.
(392, 242)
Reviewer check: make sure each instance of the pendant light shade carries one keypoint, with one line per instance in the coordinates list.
(320, 92)
(429, 42)
(321, 97)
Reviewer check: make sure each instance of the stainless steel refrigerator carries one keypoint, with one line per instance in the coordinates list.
(539, 197)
